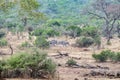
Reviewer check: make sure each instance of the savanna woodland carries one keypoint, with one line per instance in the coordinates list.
(59, 39)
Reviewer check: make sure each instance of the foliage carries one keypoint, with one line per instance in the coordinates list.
(38, 32)
(117, 56)
(118, 35)
(84, 42)
(51, 33)
(3, 42)
(97, 40)
(74, 31)
(90, 31)
(20, 12)
(53, 22)
(102, 57)
(25, 44)
(45, 32)
(66, 11)
(49, 66)
(71, 62)
(2, 34)
(2, 63)
(103, 10)
(36, 62)
(107, 55)
(41, 42)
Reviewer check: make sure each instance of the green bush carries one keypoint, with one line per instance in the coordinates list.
(51, 33)
(41, 42)
(3, 42)
(118, 35)
(74, 31)
(38, 32)
(90, 31)
(97, 40)
(46, 32)
(49, 66)
(26, 44)
(117, 56)
(2, 34)
(36, 62)
(2, 63)
(71, 62)
(84, 42)
(100, 57)
(107, 55)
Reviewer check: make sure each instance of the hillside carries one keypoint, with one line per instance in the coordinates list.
(66, 11)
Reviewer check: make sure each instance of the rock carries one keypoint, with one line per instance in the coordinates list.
(59, 64)
(85, 78)
(76, 79)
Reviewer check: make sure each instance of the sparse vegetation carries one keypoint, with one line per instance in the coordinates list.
(37, 62)
(84, 41)
(2, 34)
(71, 62)
(75, 31)
(46, 32)
(41, 42)
(3, 42)
(107, 55)
(90, 31)
(26, 44)
(68, 30)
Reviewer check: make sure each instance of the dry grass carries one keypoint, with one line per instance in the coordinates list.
(71, 73)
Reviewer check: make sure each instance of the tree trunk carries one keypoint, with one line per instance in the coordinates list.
(11, 49)
(108, 37)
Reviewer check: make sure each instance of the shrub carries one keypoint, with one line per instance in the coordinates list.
(51, 33)
(107, 55)
(36, 62)
(74, 31)
(118, 35)
(71, 62)
(102, 57)
(90, 31)
(2, 34)
(84, 42)
(41, 42)
(49, 66)
(117, 56)
(2, 63)
(108, 43)
(97, 40)
(26, 44)
(38, 32)
(46, 32)
(3, 42)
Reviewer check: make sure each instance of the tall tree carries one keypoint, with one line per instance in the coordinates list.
(107, 11)
(24, 9)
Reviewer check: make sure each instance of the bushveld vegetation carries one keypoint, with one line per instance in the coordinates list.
(3, 42)
(107, 55)
(36, 22)
(30, 65)
(71, 62)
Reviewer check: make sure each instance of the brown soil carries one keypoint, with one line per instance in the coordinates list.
(67, 73)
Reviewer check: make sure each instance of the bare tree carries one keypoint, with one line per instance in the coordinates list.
(107, 11)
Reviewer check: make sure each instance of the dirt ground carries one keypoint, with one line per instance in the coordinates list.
(84, 57)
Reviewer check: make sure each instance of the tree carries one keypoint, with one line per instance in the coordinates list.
(24, 10)
(19, 13)
(107, 11)
(74, 31)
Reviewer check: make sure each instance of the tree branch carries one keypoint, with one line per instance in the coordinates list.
(101, 17)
